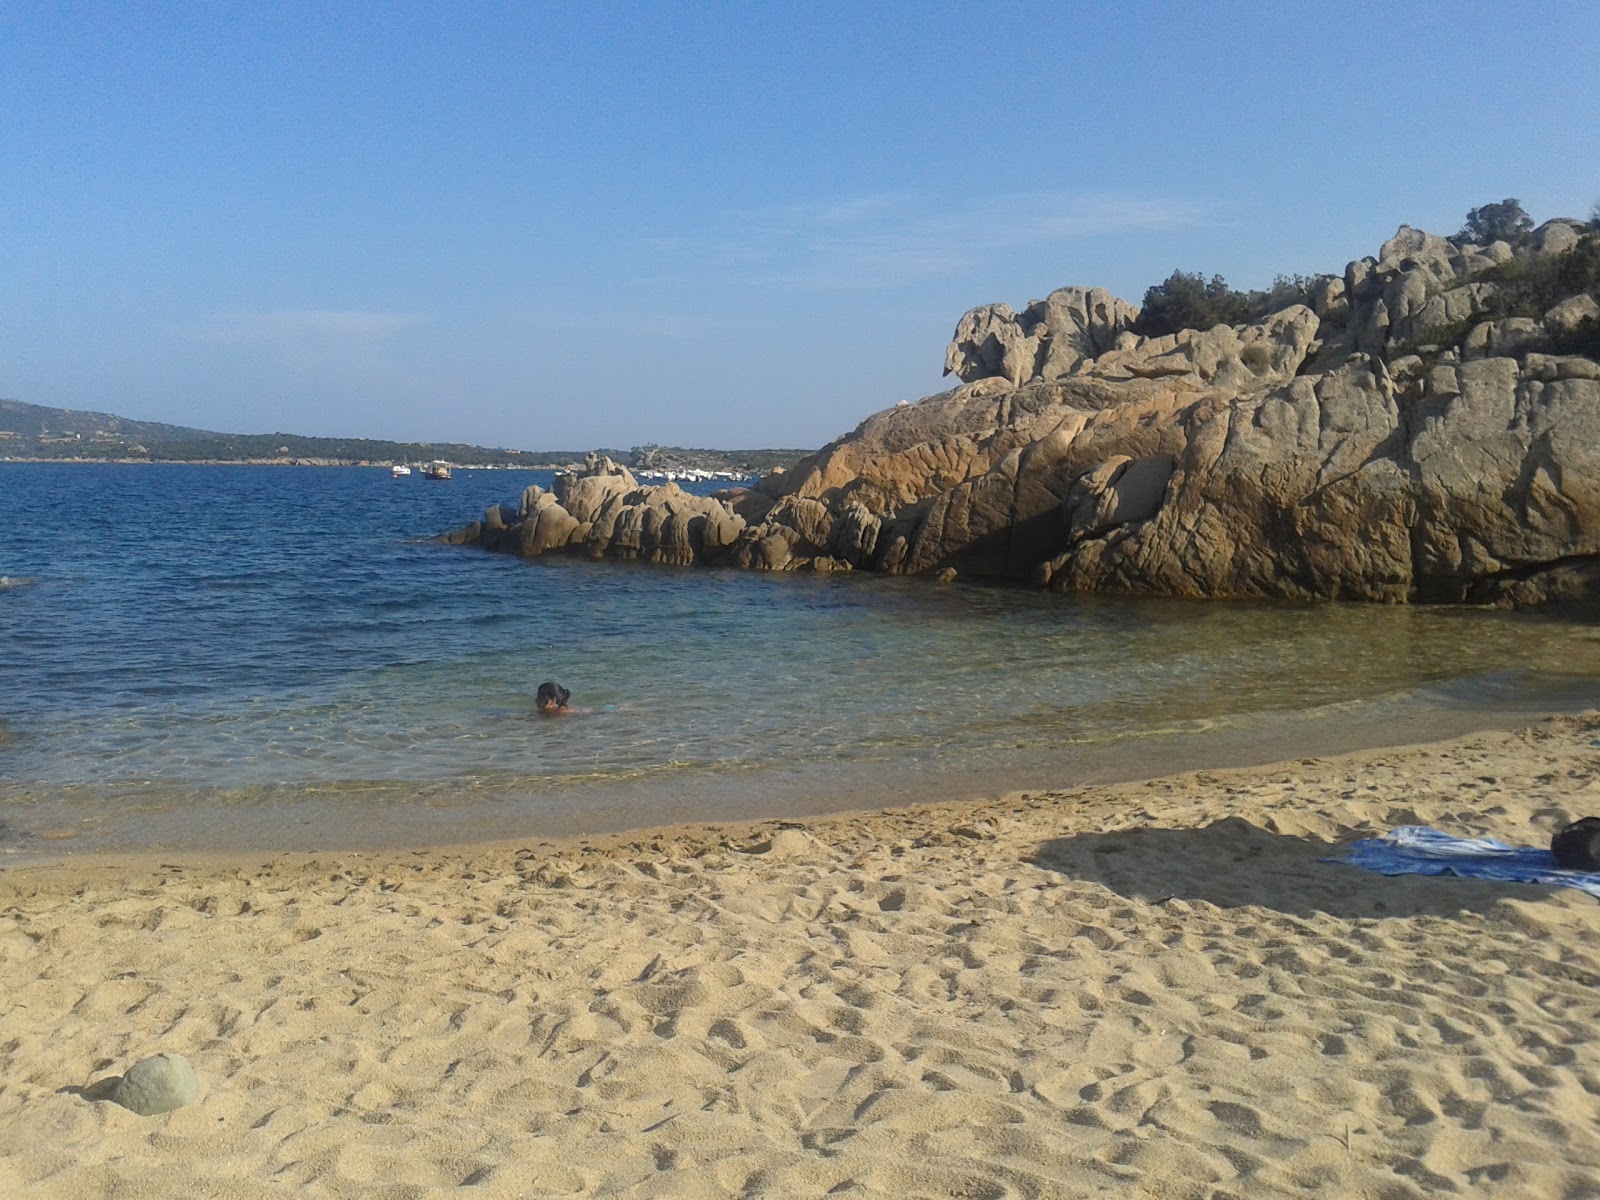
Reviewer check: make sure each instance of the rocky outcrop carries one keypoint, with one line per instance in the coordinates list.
(1405, 433)
(1046, 341)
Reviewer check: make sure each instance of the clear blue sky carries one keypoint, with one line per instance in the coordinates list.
(741, 224)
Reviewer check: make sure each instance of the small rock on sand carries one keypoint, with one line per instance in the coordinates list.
(157, 1085)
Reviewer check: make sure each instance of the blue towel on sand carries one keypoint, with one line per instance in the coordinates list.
(1418, 850)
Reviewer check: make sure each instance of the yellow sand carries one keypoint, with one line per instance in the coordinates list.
(1141, 990)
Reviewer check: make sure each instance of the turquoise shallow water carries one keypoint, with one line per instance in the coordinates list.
(273, 657)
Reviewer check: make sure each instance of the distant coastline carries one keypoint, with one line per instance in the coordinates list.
(37, 433)
(143, 460)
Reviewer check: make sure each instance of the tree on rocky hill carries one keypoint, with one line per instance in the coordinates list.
(1188, 301)
(1191, 301)
(1503, 222)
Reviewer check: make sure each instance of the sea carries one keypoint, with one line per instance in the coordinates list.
(254, 658)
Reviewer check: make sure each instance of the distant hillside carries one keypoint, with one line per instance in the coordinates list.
(33, 431)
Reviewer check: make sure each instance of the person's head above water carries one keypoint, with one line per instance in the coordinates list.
(551, 698)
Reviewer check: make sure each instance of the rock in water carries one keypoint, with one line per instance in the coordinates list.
(1402, 431)
(157, 1085)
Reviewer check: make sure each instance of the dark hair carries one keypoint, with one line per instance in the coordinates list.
(552, 693)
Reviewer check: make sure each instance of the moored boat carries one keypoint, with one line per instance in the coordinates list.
(399, 469)
(437, 469)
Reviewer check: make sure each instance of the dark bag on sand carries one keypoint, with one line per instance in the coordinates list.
(1577, 846)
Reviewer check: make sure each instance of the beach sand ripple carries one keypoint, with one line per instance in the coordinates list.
(1152, 989)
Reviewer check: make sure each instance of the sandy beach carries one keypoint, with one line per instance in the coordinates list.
(1150, 989)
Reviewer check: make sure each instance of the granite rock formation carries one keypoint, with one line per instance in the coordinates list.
(1396, 436)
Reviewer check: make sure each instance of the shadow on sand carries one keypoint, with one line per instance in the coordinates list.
(100, 1089)
(1232, 863)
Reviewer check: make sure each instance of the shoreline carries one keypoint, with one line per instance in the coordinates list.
(908, 819)
(1153, 985)
(835, 825)
(401, 817)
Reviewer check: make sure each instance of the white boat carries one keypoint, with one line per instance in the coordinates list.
(399, 469)
(437, 469)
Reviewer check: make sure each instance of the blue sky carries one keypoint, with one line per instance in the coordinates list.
(736, 225)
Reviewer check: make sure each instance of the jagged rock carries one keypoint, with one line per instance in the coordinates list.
(1118, 492)
(1415, 250)
(1225, 356)
(855, 534)
(1441, 309)
(1547, 368)
(1328, 299)
(1362, 284)
(1571, 313)
(1497, 339)
(764, 548)
(549, 527)
(811, 519)
(1508, 480)
(749, 504)
(1272, 494)
(722, 530)
(468, 535)
(157, 1085)
(1045, 341)
(587, 493)
(898, 456)
(500, 516)
(991, 343)
(633, 532)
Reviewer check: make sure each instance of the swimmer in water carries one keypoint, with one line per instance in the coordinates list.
(551, 699)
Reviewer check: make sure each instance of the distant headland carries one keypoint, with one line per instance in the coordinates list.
(1421, 426)
(35, 433)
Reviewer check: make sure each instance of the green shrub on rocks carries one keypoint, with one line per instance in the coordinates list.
(1530, 287)
(1191, 301)
(1188, 301)
(1435, 338)
(1503, 222)
(1584, 340)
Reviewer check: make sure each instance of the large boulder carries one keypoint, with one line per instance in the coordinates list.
(1508, 474)
(549, 527)
(1047, 340)
(1571, 314)
(1284, 492)
(586, 493)
(1242, 357)
(1554, 237)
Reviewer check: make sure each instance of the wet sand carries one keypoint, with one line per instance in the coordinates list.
(1143, 989)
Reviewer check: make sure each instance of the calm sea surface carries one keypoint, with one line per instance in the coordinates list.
(273, 657)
